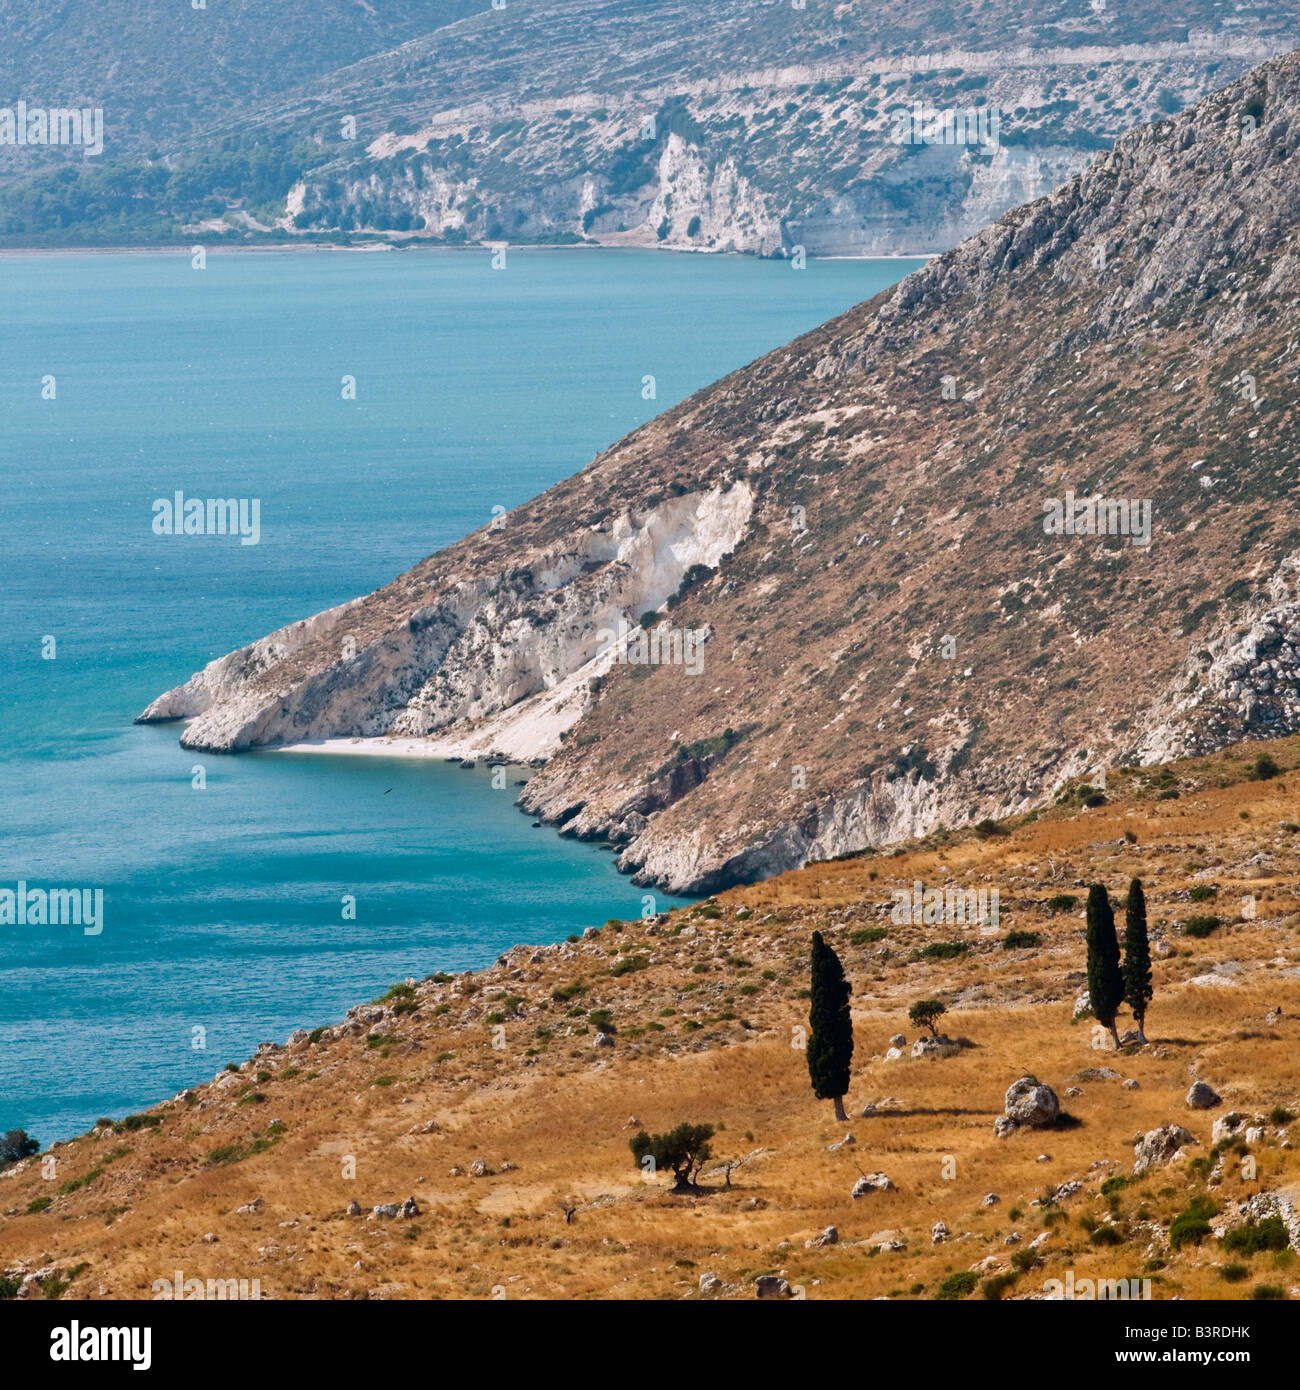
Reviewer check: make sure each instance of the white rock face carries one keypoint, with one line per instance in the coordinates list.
(733, 214)
(499, 667)
(228, 673)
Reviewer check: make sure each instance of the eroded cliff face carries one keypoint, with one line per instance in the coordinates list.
(820, 155)
(499, 663)
(892, 635)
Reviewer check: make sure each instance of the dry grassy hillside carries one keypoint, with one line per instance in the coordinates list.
(704, 1004)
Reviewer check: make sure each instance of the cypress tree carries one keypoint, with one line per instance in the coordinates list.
(830, 1044)
(1105, 980)
(1137, 956)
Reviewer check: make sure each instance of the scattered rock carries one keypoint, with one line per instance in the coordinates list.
(250, 1208)
(1129, 1084)
(771, 1286)
(709, 1282)
(1226, 1126)
(1159, 1146)
(830, 1236)
(872, 1182)
(478, 1169)
(1029, 1102)
(1082, 1006)
(603, 1040)
(1203, 1097)
(846, 1143)
(938, 1233)
(1281, 1204)
(898, 1040)
(354, 1208)
(1003, 1127)
(991, 1199)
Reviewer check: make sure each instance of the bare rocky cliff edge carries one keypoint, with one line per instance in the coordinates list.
(1029, 514)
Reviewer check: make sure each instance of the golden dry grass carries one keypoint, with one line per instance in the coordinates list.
(561, 1114)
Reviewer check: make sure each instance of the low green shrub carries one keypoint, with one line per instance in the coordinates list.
(1255, 1236)
(955, 1286)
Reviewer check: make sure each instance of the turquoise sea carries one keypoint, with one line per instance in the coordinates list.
(124, 378)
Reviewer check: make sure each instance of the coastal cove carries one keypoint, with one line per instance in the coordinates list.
(245, 897)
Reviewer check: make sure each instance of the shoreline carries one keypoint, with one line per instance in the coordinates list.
(446, 750)
(374, 248)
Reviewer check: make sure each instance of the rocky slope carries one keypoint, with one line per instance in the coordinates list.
(158, 68)
(713, 140)
(851, 535)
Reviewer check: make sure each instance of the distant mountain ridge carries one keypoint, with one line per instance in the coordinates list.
(853, 527)
(721, 125)
(163, 68)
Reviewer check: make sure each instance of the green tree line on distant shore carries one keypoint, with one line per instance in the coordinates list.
(139, 200)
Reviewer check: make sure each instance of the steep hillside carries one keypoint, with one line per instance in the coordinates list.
(718, 125)
(161, 68)
(875, 635)
(751, 126)
(502, 1103)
